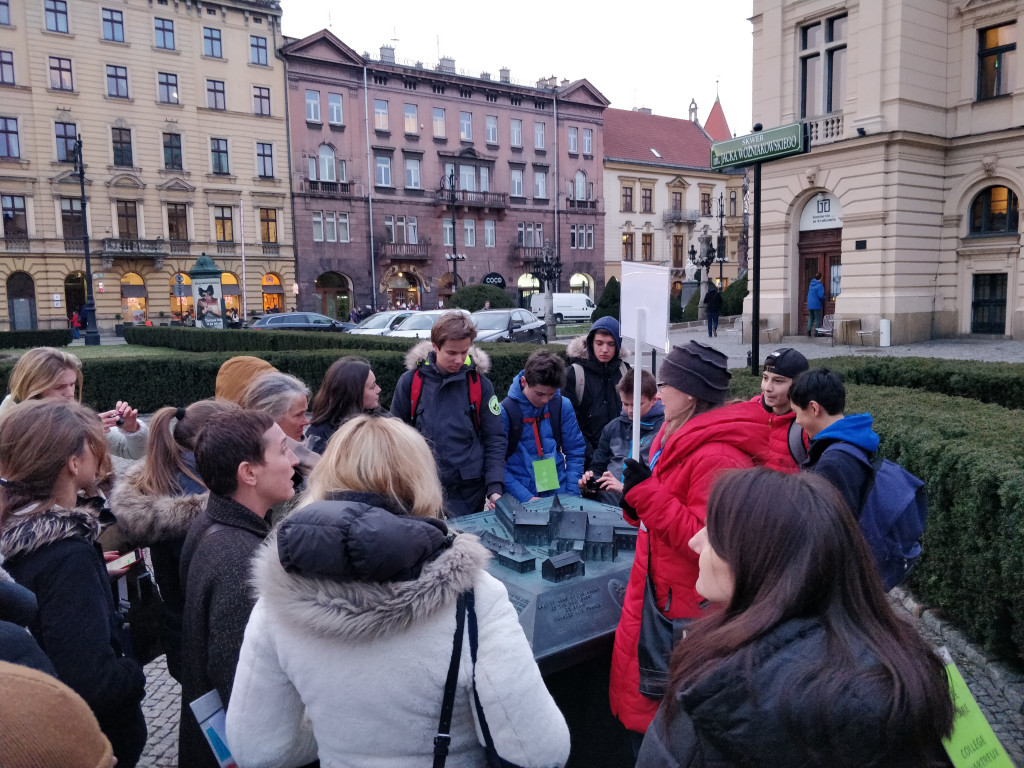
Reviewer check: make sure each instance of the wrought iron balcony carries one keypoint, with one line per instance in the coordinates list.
(329, 188)
(129, 248)
(405, 251)
(680, 216)
(580, 205)
(826, 128)
(527, 254)
(472, 199)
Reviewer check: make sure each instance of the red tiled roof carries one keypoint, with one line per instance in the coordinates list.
(716, 125)
(632, 135)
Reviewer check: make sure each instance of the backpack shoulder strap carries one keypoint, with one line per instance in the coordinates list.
(623, 367)
(475, 397)
(580, 378)
(443, 739)
(555, 410)
(795, 439)
(416, 387)
(515, 425)
(865, 457)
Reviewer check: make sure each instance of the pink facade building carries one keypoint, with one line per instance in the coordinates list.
(375, 143)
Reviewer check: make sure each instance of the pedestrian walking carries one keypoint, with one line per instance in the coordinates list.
(713, 305)
(76, 324)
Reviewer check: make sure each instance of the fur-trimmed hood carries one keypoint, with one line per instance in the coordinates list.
(144, 519)
(578, 349)
(365, 610)
(29, 531)
(418, 355)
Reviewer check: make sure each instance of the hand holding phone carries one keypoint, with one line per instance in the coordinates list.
(122, 563)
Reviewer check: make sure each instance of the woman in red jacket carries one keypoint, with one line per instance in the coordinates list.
(699, 440)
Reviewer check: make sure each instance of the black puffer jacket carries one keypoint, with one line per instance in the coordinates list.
(18, 610)
(773, 719)
(600, 403)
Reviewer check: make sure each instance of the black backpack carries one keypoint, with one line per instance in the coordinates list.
(515, 423)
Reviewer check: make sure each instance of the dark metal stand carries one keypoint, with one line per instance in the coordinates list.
(88, 313)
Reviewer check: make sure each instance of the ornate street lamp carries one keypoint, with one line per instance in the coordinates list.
(547, 267)
(88, 314)
(702, 260)
(453, 257)
(722, 254)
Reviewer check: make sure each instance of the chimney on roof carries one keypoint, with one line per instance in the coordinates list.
(387, 54)
(547, 82)
(643, 110)
(447, 65)
(485, 75)
(565, 81)
(505, 74)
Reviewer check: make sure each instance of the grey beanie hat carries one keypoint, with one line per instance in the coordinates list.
(698, 370)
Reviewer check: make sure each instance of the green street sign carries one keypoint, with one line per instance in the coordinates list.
(760, 147)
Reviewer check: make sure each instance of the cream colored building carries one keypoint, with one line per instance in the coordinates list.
(908, 202)
(181, 110)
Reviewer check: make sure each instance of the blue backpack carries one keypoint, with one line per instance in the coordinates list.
(893, 516)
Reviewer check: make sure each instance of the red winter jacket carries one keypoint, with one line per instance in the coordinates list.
(672, 506)
(779, 456)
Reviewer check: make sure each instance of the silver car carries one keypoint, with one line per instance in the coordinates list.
(380, 323)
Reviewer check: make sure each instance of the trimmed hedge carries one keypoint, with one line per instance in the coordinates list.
(60, 337)
(733, 295)
(472, 297)
(213, 340)
(608, 304)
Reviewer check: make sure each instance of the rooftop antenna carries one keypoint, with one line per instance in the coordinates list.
(394, 31)
(716, 89)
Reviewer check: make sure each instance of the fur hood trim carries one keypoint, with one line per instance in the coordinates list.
(577, 350)
(363, 610)
(418, 354)
(143, 519)
(29, 531)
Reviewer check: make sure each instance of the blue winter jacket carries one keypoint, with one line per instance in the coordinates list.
(851, 477)
(519, 479)
(815, 295)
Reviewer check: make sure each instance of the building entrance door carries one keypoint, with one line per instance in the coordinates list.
(820, 251)
(988, 308)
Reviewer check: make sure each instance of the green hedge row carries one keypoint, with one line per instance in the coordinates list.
(59, 337)
(212, 340)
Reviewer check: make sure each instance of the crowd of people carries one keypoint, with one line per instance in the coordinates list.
(312, 574)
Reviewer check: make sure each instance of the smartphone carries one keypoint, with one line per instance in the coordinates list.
(125, 560)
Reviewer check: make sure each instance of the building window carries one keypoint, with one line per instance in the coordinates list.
(318, 226)
(572, 235)
(492, 129)
(412, 119)
(113, 25)
(705, 203)
(540, 184)
(343, 230)
(117, 81)
(627, 198)
(327, 163)
(219, 155)
(439, 126)
(10, 146)
(380, 115)
(574, 140)
(5, 12)
(56, 15)
(732, 203)
(260, 100)
(588, 141)
(469, 233)
(268, 225)
(538, 135)
(211, 43)
(330, 226)
(127, 220)
(258, 51)
(516, 187)
(515, 133)
(177, 221)
(627, 246)
(677, 201)
(167, 87)
(172, 152)
(215, 98)
(447, 232)
(335, 114)
(6, 68)
(412, 173)
(678, 251)
(71, 219)
(121, 139)
(467, 177)
(646, 200)
(383, 177)
(313, 106)
(590, 236)
(164, 33)
(647, 247)
(223, 223)
(466, 126)
(489, 238)
(60, 74)
(265, 160)
(997, 60)
(823, 67)
(67, 138)
(15, 220)
(995, 211)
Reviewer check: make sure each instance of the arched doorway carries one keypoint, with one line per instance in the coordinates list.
(232, 294)
(335, 294)
(403, 291)
(582, 283)
(821, 252)
(273, 293)
(21, 301)
(133, 298)
(527, 286)
(74, 292)
(182, 309)
(444, 287)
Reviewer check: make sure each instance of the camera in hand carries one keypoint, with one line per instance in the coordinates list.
(594, 485)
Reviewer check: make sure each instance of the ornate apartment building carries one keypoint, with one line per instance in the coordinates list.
(180, 105)
(376, 145)
(908, 203)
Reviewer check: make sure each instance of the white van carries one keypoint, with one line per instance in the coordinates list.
(572, 307)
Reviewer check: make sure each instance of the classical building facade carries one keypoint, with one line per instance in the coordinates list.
(664, 199)
(908, 203)
(376, 146)
(181, 110)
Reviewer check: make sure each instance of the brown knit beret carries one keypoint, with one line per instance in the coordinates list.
(45, 723)
(236, 374)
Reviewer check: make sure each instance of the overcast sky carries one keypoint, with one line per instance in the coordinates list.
(657, 54)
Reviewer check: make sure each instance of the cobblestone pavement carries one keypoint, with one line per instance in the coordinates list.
(162, 707)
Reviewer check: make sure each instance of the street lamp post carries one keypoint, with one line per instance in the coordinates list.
(454, 257)
(702, 260)
(722, 255)
(547, 267)
(88, 314)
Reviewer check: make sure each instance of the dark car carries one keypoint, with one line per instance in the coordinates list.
(509, 325)
(299, 321)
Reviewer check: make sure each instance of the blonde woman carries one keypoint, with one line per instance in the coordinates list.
(49, 372)
(50, 450)
(355, 621)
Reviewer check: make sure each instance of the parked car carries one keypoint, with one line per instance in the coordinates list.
(299, 321)
(509, 325)
(382, 322)
(418, 324)
(574, 307)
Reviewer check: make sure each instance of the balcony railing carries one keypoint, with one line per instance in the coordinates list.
(405, 251)
(472, 199)
(826, 128)
(580, 205)
(74, 245)
(680, 216)
(526, 254)
(226, 249)
(271, 249)
(329, 188)
(126, 247)
(180, 247)
(16, 242)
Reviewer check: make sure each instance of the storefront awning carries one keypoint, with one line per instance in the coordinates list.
(230, 290)
(133, 291)
(271, 289)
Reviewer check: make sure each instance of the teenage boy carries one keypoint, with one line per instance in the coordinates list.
(244, 459)
(616, 443)
(818, 399)
(548, 456)
(447, 397)
(787, 448)
(592, 379)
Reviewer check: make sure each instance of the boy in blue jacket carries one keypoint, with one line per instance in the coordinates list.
(536, 465)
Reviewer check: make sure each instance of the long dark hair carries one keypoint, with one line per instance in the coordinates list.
(341, 393)
(795, 550)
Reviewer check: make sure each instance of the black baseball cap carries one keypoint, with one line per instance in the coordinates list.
(786, 362)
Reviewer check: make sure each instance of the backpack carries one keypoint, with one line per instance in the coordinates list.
(475, 396)
(581, 380)
(893, 516)
(795, 440)
(515, 423)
